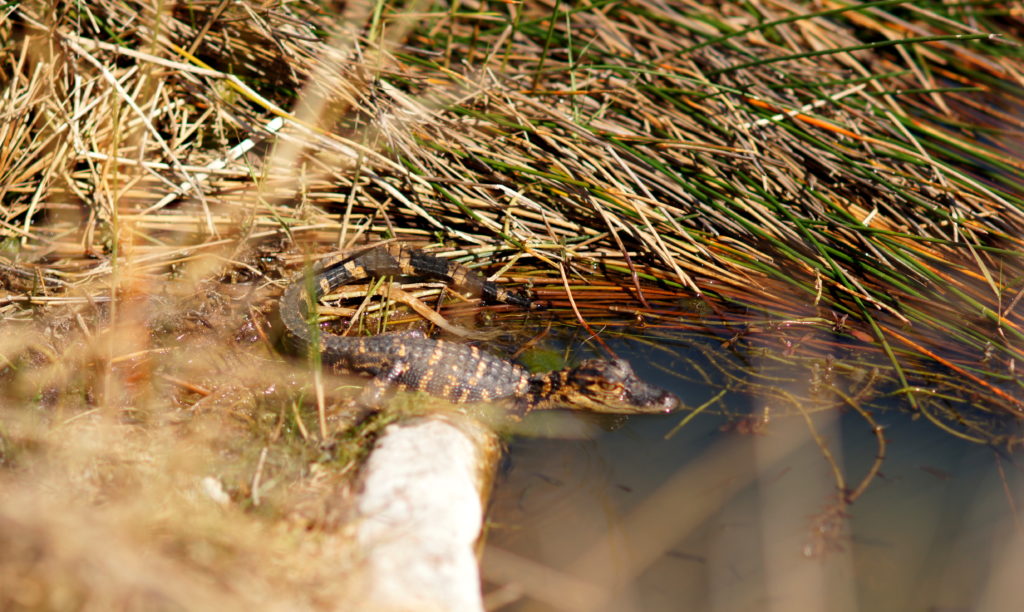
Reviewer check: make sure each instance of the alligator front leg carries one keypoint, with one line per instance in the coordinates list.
(370, 399)
(372, 395)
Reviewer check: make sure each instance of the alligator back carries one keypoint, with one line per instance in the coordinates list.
(405, 360)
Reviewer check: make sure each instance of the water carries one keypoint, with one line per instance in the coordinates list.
(719, 519)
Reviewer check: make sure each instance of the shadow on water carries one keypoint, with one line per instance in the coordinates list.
(724, 515)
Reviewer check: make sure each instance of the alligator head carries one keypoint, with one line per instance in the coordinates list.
(600, 385)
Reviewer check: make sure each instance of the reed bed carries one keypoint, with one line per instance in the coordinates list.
(850, 169)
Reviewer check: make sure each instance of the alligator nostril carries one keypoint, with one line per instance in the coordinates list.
(669, 403)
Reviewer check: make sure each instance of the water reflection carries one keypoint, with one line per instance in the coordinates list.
(721, 520)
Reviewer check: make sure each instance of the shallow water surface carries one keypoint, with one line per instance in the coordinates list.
(719, 517)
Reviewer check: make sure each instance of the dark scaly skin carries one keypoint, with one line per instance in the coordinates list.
(449, 370)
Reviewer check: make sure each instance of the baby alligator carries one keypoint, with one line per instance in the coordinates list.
(450, 370)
